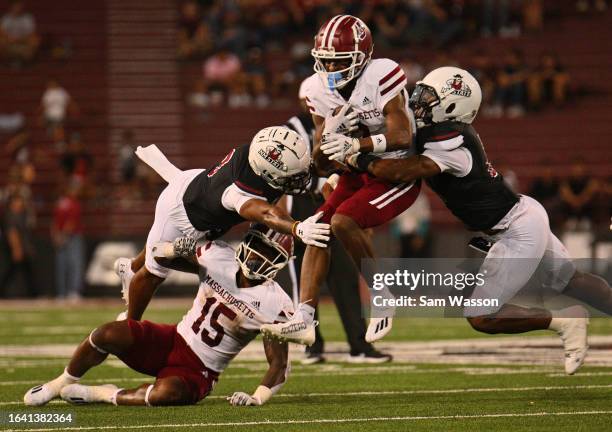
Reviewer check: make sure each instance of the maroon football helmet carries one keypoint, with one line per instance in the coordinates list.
(342, 38)
(263, 252)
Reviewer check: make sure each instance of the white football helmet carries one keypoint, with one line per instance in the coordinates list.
(446, 93)
(281, 157)
(263, 252)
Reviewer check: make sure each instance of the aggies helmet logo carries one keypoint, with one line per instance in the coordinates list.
(274, 157)
(457, 86)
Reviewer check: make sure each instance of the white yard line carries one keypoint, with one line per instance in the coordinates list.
(409, 392)
(338, 371)
(323, 421)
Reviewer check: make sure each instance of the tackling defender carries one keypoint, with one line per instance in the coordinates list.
(352, 94)
(237, 294)
(453, 161)
(199, 203)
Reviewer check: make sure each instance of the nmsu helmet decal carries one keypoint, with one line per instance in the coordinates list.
(274, 157)
(456, 86)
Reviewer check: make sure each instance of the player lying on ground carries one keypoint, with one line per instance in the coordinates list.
(199, 203)
(237, 294)
(353, 94)
(453, 161)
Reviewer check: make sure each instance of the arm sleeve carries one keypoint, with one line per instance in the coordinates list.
(457, 162)
(233, 198)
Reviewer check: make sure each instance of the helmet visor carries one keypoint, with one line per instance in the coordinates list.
(293, 185)
(422, 100)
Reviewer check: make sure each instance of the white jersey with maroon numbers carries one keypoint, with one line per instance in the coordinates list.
(379, 82)
(225, 318)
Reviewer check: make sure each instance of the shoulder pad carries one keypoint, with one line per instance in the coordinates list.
(379, 69)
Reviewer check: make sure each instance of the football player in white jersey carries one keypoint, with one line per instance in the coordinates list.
(352, 95)
(237, 295)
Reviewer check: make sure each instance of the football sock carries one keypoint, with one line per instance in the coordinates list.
(308, 313)
(61, 381)
(105, 393)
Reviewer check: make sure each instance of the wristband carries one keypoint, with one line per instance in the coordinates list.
(364, 160)
(379, 143)
(293, 228)
(333, 180)
(262, 394)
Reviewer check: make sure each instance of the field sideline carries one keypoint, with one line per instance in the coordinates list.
(447, 377)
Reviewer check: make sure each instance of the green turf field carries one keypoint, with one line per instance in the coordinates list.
(333, 396)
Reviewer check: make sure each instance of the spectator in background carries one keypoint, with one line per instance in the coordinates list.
(54, 106)
(76, 162)
(67, 236)
(585, 5)
(485, 72)
(511, 84)
(17, 147)
(548, 83)
(20, 179)
(496, 18)
(545, 189)
(578, 192)
(533, 15)
(19, 41)
(255, 75)
(222, 75)
(19, 244)
(194, 37)
(391, 21)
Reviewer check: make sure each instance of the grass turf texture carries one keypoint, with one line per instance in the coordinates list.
(332, 396)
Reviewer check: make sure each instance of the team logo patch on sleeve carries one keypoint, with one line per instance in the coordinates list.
(457, 86)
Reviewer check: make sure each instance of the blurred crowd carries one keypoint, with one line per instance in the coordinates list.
(254, 52)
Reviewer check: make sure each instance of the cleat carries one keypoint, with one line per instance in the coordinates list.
(311, 358)
(123, 269)
(573, 333)
(296, 331)
(41, 394)
(378, 328)
(370, 357)
(79, 394)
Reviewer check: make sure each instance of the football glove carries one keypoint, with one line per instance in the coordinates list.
(184, 246)
(343, 122)
(311, 232)
(242, 399)
(338, 147)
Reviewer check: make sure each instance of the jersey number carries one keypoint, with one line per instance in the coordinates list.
(225, 160)
(220, 309)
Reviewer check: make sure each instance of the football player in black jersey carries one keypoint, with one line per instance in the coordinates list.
(244, 186)
(452, 160)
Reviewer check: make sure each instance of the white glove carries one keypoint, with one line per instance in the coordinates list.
(242, 399)
(338, 147)
(180, 247)
(341, 122)
(311, 232)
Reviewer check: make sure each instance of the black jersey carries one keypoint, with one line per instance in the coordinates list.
(202, 198)
(480, 199)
